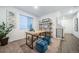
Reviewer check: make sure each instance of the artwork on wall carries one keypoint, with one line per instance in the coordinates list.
(76, 24)
(11, 18)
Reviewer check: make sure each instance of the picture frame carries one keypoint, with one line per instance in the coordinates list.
(11, 18)
(76, 24)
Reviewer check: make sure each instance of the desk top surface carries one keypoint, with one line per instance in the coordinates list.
(35, 32)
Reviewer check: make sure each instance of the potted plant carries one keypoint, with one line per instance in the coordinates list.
(4, 30)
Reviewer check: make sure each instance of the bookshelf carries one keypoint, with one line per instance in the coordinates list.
(46, 25)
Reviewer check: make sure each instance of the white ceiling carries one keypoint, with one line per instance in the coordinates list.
(43, 10)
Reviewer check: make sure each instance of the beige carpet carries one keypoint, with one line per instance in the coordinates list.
(19, 46)
(70, 44)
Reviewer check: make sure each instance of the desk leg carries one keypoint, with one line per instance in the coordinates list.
(26, 39)
(32, 42)
(31, 45)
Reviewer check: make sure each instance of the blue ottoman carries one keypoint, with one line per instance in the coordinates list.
(41, 46)
(48, 39)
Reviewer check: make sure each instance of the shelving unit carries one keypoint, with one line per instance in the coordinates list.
(46, 25)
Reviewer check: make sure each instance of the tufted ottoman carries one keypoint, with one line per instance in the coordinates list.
(41, 46)
(48, 39)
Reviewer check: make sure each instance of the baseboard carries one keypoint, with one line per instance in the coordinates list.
(75, 36)
(16, 40)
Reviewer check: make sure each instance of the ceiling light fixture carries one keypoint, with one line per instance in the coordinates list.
(36, 7)
(71, 11)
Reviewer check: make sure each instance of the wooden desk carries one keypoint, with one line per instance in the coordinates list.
(31, 37)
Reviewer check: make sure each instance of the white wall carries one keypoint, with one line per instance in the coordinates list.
(67, 24)
(36, 23)
(17, 33)
(58, 18)
(2, 14)
(53, 17)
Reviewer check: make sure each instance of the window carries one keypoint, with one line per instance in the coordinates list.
(25, 22)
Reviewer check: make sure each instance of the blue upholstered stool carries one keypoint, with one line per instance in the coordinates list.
(41, 46)
(48, 39)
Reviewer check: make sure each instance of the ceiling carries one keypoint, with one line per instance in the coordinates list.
(43, 10)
